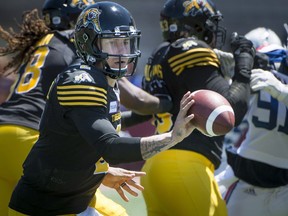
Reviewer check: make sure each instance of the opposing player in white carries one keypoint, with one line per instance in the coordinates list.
(260, 163)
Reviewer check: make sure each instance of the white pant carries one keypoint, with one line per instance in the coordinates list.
(89, 212)
(248, 200)
(225, 179)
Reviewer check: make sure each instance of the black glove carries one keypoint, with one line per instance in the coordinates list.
(158, 88)
(244, 53)
(155, 86)
(261, 60)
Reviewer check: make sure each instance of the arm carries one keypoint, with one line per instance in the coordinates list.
(138, 100)
(101, 135)
(239, 91)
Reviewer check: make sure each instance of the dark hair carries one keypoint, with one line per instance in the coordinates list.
(21, 45)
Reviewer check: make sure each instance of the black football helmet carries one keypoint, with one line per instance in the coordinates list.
(199, 18)
(104, 21)
(63, 14)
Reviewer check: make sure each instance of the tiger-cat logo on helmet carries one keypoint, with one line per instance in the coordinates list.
(81, 4)
(193, 7)
(91, 16)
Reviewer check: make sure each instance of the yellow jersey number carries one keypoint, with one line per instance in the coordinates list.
(32, 73)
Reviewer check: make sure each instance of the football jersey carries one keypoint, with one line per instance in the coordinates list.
(259, 157)
(188, 65)
(66, 161)
(267, 138)
(24, 107)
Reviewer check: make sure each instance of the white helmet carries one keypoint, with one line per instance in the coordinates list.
(264, 39)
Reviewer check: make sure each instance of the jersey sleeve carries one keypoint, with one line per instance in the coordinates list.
(80, 89)
(196, 57)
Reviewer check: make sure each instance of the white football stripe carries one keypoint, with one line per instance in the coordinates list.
(214, 115)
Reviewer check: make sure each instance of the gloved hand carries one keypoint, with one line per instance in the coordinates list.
(265, 80)
(244, 53)
(158, 88)
(261, 60)
(227, 63)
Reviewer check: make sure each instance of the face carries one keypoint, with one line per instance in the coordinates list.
(116, 46)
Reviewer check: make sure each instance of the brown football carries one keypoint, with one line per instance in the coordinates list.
(214, 115)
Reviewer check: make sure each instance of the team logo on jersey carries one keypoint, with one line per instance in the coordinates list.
(81, 4)
(83, 77)
(90, 16)
(188, 44)
(193, 7)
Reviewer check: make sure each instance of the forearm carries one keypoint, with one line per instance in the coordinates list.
(138, 100)
(152, 145)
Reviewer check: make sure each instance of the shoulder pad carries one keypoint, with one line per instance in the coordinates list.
(81, 86)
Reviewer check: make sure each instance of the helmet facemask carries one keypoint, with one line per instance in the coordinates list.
(118, 51)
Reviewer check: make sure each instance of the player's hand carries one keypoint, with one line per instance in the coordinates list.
(244, 53)
(240, 44)
(183, 125)
(158, 88)
(122, 179)
(261, 60)
(265, 80)
(227, 62)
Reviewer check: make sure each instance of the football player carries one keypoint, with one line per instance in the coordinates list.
(78, 129)
(186, 61)
(44, 53)
(260, 162)
(39, 54)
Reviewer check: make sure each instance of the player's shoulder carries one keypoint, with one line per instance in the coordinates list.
(189, 53)
(80, 73)
(82, 85)
(190, 43)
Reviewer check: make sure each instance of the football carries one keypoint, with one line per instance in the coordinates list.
(213, 114)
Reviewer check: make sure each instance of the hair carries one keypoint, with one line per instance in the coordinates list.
(20, 46)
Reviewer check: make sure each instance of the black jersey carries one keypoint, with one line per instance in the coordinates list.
(188, 65)
(53, 53)
(78, 130)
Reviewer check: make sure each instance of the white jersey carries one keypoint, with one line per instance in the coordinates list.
(267, 138)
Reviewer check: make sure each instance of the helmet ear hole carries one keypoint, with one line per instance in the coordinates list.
(208, 36)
